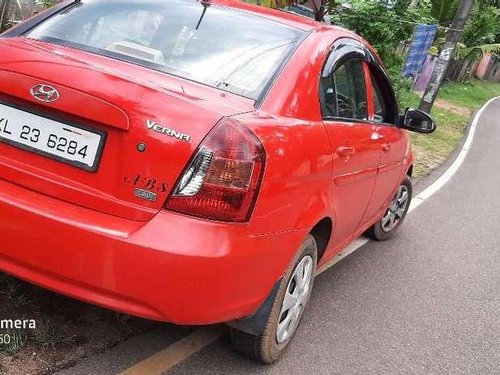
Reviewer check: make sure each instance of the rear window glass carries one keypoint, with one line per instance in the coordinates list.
(213, 45)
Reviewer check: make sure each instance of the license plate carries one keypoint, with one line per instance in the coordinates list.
(66, 143)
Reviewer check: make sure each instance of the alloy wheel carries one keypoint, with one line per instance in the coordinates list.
(397, 209)
(297, 294)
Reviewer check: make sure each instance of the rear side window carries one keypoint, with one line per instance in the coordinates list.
(386, 108)
(350, 90)
(343, 93)
(209, 44)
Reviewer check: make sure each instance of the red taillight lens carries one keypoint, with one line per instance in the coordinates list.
(222, 181)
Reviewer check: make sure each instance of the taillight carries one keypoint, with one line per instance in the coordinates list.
(222, 180)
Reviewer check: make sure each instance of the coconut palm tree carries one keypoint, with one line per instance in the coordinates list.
(481, 35)
(482, 32)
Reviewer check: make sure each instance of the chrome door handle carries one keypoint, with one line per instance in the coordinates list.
(345, 152)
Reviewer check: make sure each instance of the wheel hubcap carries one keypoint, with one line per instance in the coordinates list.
(397, 209)
(296, 297)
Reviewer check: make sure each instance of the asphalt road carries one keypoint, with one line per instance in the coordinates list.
(426, 302)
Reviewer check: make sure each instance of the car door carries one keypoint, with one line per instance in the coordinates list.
(392, 142)
(355, 153)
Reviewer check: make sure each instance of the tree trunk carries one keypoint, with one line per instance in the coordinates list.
(446, 54)
(4, 16)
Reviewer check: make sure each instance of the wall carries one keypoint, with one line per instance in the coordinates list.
(489, 68)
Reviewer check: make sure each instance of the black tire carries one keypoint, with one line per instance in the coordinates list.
(266, 348)
(377, 231)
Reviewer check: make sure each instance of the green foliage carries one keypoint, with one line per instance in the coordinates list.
(402, 6)
(482, 32)
(477, 51)
(444, 11)
(384, 28)
(483, 26)
(400, 84)
(469, 95)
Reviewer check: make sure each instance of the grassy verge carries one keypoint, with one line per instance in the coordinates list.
(469, 95)
(432, 150)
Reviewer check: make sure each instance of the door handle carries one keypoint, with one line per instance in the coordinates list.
(345, 152)
(386, 147)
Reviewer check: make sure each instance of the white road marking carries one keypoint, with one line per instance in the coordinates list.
(450, 172)
(424, 195)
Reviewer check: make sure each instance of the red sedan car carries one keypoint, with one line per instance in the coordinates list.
(194, 162)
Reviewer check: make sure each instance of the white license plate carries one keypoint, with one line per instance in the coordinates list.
(65, 143)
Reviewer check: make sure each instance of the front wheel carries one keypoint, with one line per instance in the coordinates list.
(384, 229)
(286, 312)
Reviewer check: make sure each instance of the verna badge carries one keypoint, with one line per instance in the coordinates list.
(167, 131)
(45, 93)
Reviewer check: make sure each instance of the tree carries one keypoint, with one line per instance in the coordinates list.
(320, 9)
(481, 35)
(443, 61)
(443, 11)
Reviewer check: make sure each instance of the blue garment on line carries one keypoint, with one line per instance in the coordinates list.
(423, 37)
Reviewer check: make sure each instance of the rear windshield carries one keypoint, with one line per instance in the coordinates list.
(209, 44)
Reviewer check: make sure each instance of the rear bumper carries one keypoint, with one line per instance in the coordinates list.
(172, 268)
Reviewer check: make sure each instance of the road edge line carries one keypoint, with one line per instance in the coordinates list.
(426, 193)
(457, 163)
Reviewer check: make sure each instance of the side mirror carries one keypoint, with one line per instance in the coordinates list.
(417, 121)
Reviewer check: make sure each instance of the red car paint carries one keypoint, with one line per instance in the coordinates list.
(87, 236)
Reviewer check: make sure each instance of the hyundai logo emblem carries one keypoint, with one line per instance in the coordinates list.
(45, 93)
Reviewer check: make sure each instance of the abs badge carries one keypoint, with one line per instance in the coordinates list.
(146, 188)
(145, 194)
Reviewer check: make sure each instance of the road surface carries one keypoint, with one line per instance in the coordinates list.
(426, 302)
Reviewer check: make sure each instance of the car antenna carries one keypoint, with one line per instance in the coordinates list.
(206, 4)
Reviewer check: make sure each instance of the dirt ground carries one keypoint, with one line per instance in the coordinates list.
(66, 330)
(462, 111)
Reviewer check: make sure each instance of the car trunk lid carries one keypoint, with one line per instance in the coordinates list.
(150, 124)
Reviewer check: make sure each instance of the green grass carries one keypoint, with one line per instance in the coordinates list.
(433, 149)
(469, 95)
(17, 341)
(49, 334)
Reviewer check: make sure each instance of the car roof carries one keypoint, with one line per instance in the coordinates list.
(287, 18)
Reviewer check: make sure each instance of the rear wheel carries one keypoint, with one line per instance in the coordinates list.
(286, 313)
(384, 229)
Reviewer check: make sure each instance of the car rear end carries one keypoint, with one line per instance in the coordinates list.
(124, 179)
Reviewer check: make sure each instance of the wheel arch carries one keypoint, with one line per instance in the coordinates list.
(409, 172)
(322, 233)
(255, 323)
